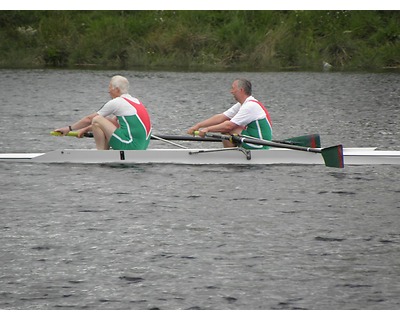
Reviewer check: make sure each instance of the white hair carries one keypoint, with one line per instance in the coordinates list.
(121, 83)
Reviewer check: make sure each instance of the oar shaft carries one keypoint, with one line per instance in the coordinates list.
(162, 136)
(311, 140)
(241, 140)
(187, 138)
(274, 144)
(333, 156)
(305, 141)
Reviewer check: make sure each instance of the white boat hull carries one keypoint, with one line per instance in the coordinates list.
(352, 156)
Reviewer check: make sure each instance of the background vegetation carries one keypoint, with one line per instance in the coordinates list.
(201, 40)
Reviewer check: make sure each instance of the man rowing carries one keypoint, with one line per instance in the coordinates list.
(123, 123)
(247, 117)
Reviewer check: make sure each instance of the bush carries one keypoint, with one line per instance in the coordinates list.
(251, 40)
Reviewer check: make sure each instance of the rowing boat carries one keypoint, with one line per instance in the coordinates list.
(281, 152)
(352, 156)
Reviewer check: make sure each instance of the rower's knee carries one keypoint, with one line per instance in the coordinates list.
(96, 120)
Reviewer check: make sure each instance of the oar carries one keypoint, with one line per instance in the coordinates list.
(188, 138)
(72, 134)
(333, 156)
(158, 137)
(312, 140)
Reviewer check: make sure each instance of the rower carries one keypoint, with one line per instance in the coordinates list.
(123, 123)
(247, 117)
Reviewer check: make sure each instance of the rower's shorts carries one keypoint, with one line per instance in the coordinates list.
(120, 141)
(252, 146)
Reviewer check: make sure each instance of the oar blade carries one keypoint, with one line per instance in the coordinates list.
(333, 156)
(311, 141)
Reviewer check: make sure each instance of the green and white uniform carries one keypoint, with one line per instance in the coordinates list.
(134, 123)
(254, 118)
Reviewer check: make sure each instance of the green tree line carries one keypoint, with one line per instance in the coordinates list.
(201, 40)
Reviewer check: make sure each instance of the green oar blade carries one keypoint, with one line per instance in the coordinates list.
(311, 140)
(333, 156)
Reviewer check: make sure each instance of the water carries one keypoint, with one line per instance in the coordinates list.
(200, 237)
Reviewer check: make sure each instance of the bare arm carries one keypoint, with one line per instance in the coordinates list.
(213, 121)
(224, 127)
(85, 122)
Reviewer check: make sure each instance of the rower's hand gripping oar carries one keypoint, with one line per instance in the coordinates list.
(333, 156)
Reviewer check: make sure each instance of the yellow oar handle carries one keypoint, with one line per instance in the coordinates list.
(69, 134)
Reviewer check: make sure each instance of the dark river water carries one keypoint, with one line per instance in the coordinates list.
(200, 237)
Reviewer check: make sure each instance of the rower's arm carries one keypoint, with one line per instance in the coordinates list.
(212, 121)
(84, 122)
(224, 127)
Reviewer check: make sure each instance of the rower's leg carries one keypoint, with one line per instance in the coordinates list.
(227, 143)
(102, 131)
(99, 137)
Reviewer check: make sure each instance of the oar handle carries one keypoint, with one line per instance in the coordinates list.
(71, 134)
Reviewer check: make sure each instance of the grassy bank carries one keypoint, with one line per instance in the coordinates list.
(201, 40)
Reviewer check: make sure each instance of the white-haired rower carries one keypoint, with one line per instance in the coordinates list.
(123, 123)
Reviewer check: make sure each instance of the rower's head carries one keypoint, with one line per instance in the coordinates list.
(118, 86)
(241, 89)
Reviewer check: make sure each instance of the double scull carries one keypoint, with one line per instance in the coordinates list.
(304, 151)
